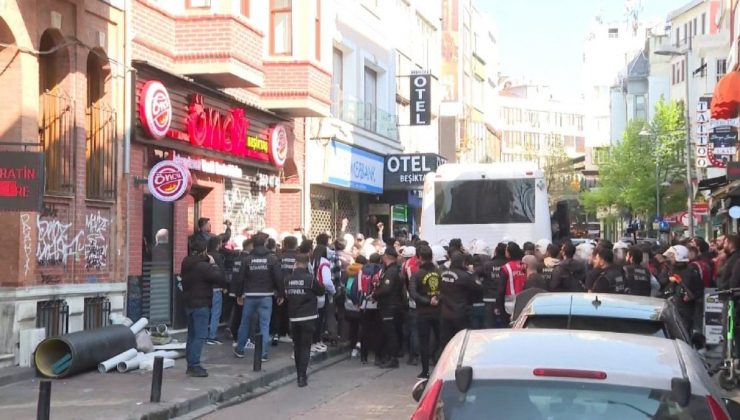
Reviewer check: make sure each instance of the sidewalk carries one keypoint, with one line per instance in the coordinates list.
(126, 395)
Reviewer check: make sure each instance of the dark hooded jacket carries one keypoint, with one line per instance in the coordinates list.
(199, 278)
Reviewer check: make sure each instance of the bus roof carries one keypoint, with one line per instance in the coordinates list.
(490, 170)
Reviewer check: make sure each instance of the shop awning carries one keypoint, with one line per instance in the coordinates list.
(730, 190)
(726, 96)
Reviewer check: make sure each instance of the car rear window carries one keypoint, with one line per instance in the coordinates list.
(560, 400)
(593, 323)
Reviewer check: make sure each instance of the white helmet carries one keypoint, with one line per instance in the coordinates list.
(679, 252)
(621, 245)
(479, 247)
(541, 246)
(439, 253)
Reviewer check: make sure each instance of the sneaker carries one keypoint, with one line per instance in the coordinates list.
(292, 356)
(214, 342)
(322, 347)
(233, 344)
(423, 375)
(315, 348)
(275, 340)
(197, 372)
(285, 339)
(355, 353)
(265, 359)
(239, 354)
(392, 363)
(302, 382)
(250, 345)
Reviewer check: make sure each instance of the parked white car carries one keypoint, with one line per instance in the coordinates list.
(566, 374)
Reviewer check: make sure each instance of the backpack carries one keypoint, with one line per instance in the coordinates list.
(353, 293)
(369, 279)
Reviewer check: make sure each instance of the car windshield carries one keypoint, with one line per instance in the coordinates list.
(598, 323)
(560, 400)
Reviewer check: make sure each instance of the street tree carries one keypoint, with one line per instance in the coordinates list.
(637, 164)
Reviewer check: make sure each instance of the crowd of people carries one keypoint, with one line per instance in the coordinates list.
(404, 297)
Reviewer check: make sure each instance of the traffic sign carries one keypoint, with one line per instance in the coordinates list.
(700, 209)
(685, 219)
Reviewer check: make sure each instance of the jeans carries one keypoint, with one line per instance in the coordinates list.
(478, 317)
(302, 335)
(216, 305)
(197, 333)
(262, 306)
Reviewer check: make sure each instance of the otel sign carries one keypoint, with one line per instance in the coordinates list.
(169, 181)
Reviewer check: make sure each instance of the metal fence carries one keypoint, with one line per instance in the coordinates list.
(56, 135)
(53, 315)
(96, 312)
(100, 172)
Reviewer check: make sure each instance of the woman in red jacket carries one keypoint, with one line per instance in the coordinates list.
(513, 274)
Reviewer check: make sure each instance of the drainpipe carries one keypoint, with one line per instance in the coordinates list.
(127, 109)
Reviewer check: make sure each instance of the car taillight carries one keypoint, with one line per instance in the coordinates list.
(570, 373)
(716, 409)
(428, 406)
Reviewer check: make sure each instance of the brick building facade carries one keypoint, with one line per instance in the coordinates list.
(235, 60)
(62, 80)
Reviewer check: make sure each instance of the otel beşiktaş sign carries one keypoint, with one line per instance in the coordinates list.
(207, 128)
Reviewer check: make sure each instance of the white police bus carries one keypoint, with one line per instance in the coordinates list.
(490, 202)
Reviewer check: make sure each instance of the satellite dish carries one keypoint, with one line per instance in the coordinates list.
(735, 212)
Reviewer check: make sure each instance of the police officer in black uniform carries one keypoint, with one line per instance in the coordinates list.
(457, 290)
(494, 286)
(636, 277)
(424, 289)
(389, 296)
(279, 325)
(302, 290)
(611, 278)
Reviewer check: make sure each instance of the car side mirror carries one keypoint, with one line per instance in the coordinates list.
(418, 389)
(733, 407)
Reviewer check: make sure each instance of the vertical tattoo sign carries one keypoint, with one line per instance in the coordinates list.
(421, 98)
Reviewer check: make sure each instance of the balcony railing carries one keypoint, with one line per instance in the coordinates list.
(367, 116)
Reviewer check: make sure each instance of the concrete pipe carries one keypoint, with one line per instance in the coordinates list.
(113, 362)
(59, 357)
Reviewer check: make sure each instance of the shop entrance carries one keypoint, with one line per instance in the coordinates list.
(158, 284)
(329, 206)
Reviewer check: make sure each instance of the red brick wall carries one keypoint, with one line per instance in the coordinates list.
(136, 209)
(296, 79)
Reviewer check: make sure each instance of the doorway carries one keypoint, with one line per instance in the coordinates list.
(157, 280)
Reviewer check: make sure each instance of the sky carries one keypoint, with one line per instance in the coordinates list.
(542, 40)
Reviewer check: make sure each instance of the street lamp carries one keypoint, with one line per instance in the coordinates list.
(646, 133)
(685, 54)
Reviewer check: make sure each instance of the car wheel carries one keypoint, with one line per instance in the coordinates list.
(727, 381)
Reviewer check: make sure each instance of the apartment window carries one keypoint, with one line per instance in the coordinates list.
(317, 30)
(244, 8)
(427, 32)
(371, 98)
(678, 36)
(685, 32)
(721, 68)
(100, 175)
(640, 108)
(281, 16)
(337, 81)
(198, 4)
(613, 32)
(703, 23)
(695, 26)
(683, 70)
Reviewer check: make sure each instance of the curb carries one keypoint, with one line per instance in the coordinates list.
(16, 374)
(234, 393)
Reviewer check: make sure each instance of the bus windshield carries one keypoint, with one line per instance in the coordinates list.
(484, 201)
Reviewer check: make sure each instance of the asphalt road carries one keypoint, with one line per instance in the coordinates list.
(345, 390)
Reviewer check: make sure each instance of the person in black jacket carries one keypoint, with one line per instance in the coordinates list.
(279, 324)
(200, 276)
(730, 277)
(389, 296)
(261, 278)
(424, 290)
(611, 277)
(494, 287)
(636, 277)
(570, 274)
(214, 251)
(686, 286)
(302, 290)
(456, 291)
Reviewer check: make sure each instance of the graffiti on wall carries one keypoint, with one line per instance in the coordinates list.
(27, 242)
(96, 246)
(56, 242)
(244, 207)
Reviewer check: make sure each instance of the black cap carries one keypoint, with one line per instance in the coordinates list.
(391, 252)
